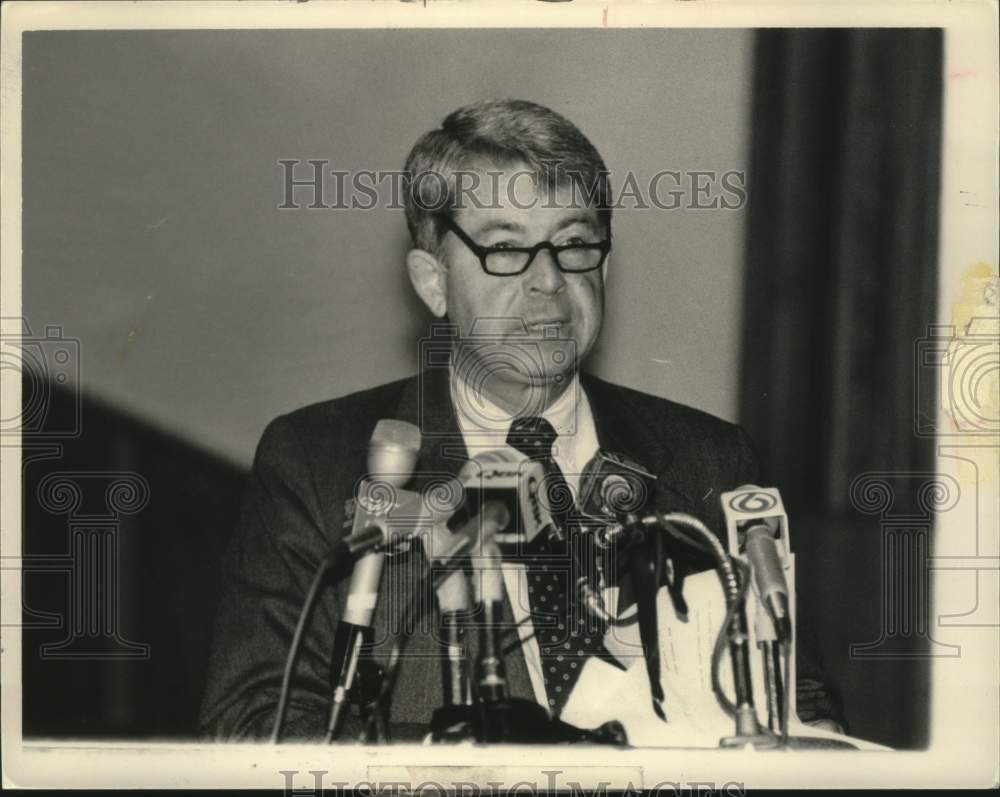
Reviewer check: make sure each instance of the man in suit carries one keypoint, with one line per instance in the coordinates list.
(509, 209)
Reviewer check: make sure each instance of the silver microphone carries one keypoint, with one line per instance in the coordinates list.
(757, 528)
(392, 458)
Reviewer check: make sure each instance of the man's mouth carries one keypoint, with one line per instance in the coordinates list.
(551, 326)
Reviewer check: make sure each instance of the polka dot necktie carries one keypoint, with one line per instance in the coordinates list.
(566, 637)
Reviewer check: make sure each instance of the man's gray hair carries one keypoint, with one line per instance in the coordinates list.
(501, 134)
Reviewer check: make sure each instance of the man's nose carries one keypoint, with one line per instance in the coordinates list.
(544, 275)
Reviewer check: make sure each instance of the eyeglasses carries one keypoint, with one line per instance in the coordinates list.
(509, 261)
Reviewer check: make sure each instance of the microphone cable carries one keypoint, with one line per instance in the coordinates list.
(307, 607)
(720, 641)
(734, 575)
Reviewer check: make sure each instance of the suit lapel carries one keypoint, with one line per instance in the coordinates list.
(426, 402)
(624, 427)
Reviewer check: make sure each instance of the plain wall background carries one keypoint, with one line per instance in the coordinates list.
(152, 234)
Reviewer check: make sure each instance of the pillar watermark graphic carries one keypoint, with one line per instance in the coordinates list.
(93, 502)
(906, 504)
(92, 559)
(957, 403)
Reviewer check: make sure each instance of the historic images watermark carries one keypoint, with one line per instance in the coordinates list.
(311, 184)
(317, 782)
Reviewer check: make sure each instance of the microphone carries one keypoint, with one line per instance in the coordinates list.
(449, 539)
(445, 541)
(769, 576)
(757, 527)
(510, 478)
(612, 487)
(378, 510)
(757, 531)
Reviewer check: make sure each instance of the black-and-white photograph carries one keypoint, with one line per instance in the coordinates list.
(592, 388)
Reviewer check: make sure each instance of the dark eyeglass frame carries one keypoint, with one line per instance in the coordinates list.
(482, 252)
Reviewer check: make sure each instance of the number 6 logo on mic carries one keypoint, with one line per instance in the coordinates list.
(751, 504)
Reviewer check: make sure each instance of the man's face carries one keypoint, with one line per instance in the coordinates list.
(532, 328)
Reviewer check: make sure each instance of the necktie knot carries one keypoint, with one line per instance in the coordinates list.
(533, 436)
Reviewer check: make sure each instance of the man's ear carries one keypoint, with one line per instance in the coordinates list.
(430, 280)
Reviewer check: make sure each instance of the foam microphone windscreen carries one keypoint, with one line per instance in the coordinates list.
(393, 451)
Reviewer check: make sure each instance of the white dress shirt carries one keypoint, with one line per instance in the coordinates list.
(484, 426)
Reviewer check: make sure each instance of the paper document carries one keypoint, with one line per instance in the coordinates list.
(694, 716)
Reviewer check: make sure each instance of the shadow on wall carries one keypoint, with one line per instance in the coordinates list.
(124, 531)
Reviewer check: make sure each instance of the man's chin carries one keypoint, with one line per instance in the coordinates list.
(493, 380)
(540, 379)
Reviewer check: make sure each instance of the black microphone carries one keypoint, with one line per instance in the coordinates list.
(615, 489)
(508, 477)
(612, 486)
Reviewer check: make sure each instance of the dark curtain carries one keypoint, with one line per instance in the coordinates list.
(841, 284)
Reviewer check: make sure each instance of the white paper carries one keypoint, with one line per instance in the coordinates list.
(694, 716)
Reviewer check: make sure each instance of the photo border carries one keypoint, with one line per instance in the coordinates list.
(964, 690)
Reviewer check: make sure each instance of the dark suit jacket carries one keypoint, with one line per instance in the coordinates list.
(307, 466)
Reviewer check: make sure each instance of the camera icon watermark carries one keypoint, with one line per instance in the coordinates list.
(504, 349)
(964, 369)
(43, 363)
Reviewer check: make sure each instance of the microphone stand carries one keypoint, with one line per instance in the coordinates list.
(455, 675)
(369, 693)
(495, 716)
(505, 719)
(646, 567)
(748, 730)
(346, 652)
(770, 649)
(359, 681)
(353, 630)
(771, 655)
(734, 576)
(452, 721)
(491, 680)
